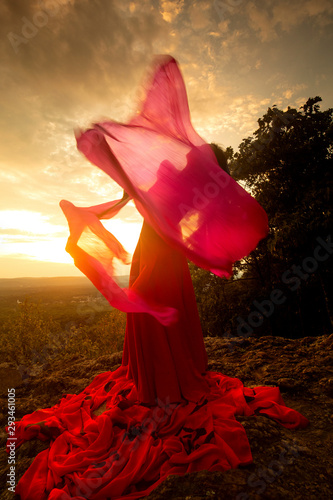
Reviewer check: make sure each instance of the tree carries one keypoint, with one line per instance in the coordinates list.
(287, 166)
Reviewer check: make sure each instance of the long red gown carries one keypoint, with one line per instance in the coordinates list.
(165, 362)
(165, 413)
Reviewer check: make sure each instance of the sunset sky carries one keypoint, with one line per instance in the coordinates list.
(67, 63)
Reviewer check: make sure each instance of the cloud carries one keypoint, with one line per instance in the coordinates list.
(223, 26)
(199, 15)
(83, 61)
(291, 91)
(285, 15)
(171, 9)
(79, 64)
(32, 235)
(288, 14)
(261, 21)
(28, 222)
(238, 117)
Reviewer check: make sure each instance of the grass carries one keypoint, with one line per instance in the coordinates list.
(32, 335)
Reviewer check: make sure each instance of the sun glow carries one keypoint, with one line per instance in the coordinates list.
(28, 235)
(28, 222)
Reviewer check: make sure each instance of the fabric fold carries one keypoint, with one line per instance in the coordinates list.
(94, 250)
(125, 452)
(174, 179)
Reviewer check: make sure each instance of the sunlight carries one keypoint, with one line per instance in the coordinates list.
(126, 232)
(30, 235)
(28, 222)
(52, 250)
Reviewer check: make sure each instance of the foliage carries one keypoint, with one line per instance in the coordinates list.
(33, 336)
(104, 336)
(220, 301)
(287, 166)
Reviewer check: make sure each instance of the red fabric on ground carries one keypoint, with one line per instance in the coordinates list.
(165, 414)
(130, 448)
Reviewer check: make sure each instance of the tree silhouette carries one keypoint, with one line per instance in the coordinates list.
(287, 166)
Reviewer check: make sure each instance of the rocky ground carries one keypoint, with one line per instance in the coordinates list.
(287, 464)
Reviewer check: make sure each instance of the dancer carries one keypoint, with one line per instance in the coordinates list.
(164, 412)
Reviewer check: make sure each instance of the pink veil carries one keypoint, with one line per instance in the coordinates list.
(173, 177)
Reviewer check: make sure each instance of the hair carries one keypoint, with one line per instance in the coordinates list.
(220, 156)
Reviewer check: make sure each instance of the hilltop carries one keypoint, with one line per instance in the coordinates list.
(302, 369)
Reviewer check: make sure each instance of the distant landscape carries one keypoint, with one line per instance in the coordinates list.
(63, 298)
(45, 319)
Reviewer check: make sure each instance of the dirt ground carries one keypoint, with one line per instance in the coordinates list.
(287, 464)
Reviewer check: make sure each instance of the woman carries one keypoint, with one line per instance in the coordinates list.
(164, 413)
(166, 363)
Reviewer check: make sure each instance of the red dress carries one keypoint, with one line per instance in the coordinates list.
(165, 414)
(165, 362)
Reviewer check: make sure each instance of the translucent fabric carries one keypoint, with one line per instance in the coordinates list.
(177, 186)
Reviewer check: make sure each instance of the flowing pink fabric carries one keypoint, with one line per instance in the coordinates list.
(95, 249)
(177, 186)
